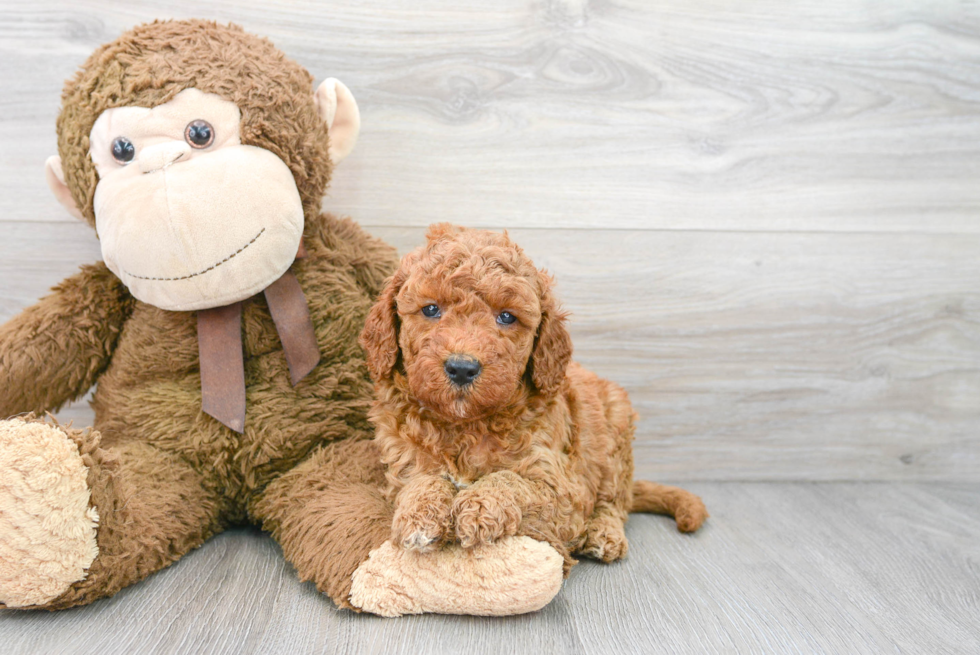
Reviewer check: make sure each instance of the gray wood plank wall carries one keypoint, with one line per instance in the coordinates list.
(762, 215)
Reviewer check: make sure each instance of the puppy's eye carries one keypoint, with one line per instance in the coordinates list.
(506, 318)
(431, 311)
(123, 150)
(199, 134)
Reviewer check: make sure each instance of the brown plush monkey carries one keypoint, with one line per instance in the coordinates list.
(231, 387)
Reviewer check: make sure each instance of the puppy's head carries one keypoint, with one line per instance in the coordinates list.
(470, 322)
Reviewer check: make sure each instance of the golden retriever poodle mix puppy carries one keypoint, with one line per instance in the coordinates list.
(486, 426)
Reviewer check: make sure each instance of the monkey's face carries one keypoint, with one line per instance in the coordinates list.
(188, 217)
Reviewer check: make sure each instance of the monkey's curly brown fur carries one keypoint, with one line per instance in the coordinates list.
(164, 476)
(534, 445)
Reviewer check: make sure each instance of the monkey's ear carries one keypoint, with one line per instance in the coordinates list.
(336, 106)
(56, 182)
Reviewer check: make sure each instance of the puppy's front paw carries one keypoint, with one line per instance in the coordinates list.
(421, 525)
(484, 515)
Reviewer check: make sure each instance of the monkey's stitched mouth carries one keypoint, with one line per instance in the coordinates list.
(209, 268)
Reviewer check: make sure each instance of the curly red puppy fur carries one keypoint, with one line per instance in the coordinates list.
(486, 426)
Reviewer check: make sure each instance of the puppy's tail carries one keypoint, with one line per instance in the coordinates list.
(686, 508)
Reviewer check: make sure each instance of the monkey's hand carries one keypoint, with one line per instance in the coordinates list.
(511, 576)
(54, 351)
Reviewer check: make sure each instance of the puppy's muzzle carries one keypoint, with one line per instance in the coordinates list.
(462, 369)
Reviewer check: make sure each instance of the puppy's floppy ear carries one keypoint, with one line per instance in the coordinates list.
(379, 338)
(552, 345)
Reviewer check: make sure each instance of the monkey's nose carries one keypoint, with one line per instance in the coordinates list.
(462, 369)
(154, 158)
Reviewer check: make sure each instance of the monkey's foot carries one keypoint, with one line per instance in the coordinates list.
(512, 576)
(47, 528)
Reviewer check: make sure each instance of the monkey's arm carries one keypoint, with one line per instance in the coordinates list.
(54, 351)
(377, 264)
(371, 259)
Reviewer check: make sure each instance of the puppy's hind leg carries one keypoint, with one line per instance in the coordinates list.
(605, 539)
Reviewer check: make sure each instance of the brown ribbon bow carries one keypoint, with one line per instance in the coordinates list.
(219, 340)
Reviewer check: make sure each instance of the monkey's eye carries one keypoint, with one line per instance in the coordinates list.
(432, 311)
(506, 318)
(123, 150)
(199, 134)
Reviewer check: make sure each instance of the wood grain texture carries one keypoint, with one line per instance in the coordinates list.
(748, 356)
(804, 115)
(779, 568)
(765, 223)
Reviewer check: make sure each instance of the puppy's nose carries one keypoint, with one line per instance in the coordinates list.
(462, 369)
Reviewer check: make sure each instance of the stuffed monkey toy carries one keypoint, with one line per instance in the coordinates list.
(221, 335)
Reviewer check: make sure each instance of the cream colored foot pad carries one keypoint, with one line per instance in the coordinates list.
(47, 529)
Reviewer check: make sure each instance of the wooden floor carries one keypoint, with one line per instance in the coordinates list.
(780, 568)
